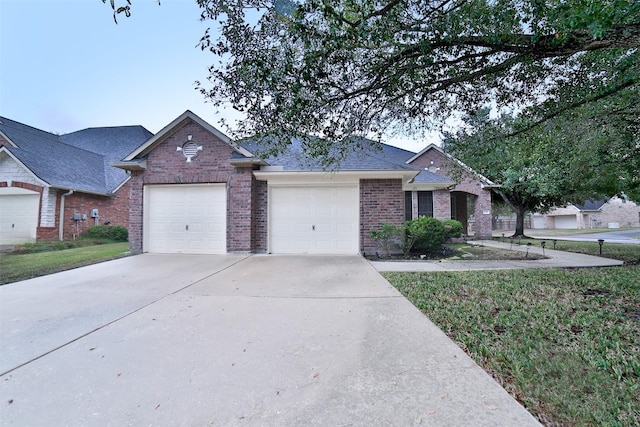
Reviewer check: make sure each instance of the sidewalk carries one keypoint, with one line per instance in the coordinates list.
(556, 259)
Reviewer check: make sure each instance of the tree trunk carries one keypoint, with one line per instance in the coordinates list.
(520, 211)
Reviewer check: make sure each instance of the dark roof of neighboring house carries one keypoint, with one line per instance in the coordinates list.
(591, 205)
(79, 160)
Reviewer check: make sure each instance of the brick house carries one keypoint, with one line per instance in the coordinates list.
(52, 187)
(612, 213)
(192, 190)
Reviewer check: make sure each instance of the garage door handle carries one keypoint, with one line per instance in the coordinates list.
(313, 227)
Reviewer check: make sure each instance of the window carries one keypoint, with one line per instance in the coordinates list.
(408, 206)
(425, 203)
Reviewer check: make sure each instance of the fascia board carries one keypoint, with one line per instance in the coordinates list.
(427, 186)
(292, 177)
(131, 166)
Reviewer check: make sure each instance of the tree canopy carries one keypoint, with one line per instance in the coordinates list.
(334, 68)
(555, 162)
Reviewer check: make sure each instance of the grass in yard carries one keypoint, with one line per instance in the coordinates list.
(565, 343)
(628, 253)
(21, 266)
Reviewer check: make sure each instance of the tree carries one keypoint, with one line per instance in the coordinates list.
(343, 67)
(534, 172)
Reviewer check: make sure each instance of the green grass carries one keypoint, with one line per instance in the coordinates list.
(21, 266)
(622, 252)
(565, 343)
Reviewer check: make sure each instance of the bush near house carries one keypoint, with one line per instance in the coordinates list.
(116, 233)
(423, 233)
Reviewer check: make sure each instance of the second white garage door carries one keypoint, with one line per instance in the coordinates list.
(186, 218)
(314, 219)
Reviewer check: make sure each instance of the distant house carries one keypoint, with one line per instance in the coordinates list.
(193, 190)
(55, 186)
(612, 213)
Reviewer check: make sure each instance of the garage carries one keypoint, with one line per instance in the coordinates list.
(566, 222)
(308, 219)
(19, 214)
(185, 218)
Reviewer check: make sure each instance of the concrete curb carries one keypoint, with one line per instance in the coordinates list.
(556, 259)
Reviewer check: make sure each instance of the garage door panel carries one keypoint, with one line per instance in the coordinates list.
(186, 219)
(18, 216)
(314, 219)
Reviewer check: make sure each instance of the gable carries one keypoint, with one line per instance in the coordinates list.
(173, 127)
(11, 169)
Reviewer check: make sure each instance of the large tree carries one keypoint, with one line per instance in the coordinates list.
(333, 68)
(555, 162)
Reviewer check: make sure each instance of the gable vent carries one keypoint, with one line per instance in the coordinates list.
(190, 150)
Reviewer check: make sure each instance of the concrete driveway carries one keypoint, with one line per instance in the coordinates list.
(200, 340)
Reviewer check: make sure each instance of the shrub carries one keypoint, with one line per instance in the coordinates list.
(389, 237)
(425, 233)
(452, 228)
(117, 233)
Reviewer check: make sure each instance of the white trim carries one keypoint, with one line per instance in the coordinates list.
(165, 131)
(120, 186)
(293, 177)
(17, 191)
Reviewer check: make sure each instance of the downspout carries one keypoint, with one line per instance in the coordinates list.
(61, 216)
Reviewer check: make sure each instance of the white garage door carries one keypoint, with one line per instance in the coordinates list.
(314, 220)
(186, 218)
(18, 215)
(566, 222)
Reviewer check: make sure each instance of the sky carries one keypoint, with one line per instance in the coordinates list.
(65, 65)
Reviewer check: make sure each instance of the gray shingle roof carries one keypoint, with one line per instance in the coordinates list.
(79, 160)
(370, 156)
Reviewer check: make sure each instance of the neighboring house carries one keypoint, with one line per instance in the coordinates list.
(193, 190)
(54, 186)
(613, 213)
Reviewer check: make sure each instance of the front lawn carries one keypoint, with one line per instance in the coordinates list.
(34, 261)
(565, 343)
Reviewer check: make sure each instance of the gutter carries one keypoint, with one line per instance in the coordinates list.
(61, 216)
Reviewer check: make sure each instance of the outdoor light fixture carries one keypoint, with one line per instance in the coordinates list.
(511, 240)
(528, 246)
(554, 243)
(600, 242)
(543, 244)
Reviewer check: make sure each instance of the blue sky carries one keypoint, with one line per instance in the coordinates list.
(65, 65)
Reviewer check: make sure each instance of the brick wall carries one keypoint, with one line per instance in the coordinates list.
(259, 217)
(166, 165)
(111, 209)
(381, 201)
(433, 159)
(442, 204)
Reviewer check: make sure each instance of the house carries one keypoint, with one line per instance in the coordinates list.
(54, 186)
(612, 213)
(193, 190)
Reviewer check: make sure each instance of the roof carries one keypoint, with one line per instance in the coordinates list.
(370, 156)
(590, 205)
(77, 161)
